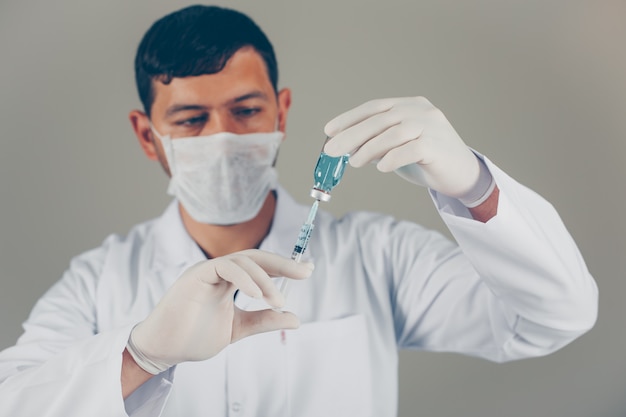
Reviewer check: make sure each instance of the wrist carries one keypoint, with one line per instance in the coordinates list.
(482, 189)
(487, 209)
(133, 376)
(143, 361)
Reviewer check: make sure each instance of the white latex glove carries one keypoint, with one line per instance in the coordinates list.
(197, 317)
(413, 138)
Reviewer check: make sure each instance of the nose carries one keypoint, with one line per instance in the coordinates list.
(218, 122)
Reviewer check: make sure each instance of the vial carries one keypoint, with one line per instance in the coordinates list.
(327, 174)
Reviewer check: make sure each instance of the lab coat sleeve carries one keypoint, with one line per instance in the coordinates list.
(518, 286)
(62, 367)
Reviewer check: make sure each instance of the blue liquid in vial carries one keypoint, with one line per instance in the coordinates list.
(328, 171)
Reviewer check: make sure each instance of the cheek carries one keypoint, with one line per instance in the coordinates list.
(160, 156)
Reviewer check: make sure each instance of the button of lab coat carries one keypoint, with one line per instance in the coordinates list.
(235, 407)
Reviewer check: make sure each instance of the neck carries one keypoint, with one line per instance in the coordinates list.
(216, 240)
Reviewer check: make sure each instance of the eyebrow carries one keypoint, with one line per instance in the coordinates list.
(176, 108)
(254, 94)
(183, 107)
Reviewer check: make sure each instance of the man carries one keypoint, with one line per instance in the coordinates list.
(146, 324)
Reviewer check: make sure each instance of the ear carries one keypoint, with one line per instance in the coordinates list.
(284, 102)
(141, 126)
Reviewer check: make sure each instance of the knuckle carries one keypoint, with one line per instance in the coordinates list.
(436, 114)
(423, 149)
(408, 130)
(380, 104)
(423, 100)
(389, 117)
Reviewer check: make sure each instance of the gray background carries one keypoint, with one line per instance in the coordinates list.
(538, 86)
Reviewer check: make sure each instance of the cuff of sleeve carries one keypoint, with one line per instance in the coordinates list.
(150, 398)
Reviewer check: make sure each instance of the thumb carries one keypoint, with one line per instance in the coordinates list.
(248, 323)
(413, 173)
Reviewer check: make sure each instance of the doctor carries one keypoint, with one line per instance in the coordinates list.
(174, 319)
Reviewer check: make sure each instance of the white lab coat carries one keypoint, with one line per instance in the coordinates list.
(519, 288)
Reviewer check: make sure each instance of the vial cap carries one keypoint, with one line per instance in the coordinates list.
(320, 195)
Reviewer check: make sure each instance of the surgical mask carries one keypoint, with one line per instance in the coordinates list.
(222, 178)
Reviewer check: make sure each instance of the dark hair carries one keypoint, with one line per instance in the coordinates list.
(196, 40)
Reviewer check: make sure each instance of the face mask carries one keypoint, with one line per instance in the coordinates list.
(222, 178)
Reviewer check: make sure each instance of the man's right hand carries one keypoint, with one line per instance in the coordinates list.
(197, 317)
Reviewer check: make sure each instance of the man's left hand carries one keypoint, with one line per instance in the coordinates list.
(413, 138)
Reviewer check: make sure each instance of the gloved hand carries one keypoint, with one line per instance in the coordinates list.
(197, 317)
(413, 138)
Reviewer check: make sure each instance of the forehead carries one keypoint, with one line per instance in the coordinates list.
(244, 72)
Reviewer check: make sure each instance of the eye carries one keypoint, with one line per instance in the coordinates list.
(246, 111)
(192, 121)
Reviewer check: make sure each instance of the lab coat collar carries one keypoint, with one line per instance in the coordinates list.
(174, 247)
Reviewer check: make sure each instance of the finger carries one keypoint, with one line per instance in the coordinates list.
(379, 146)
(357, 115)
(230, 271)
(247, 323)
(414, 151)
(353, 138)
(270, 292)
(278, 266)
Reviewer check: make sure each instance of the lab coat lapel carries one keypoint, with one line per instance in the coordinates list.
(174, 250)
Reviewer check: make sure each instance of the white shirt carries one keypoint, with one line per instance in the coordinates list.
(516, 287)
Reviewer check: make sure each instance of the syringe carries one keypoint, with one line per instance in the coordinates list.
(302, 242)
(305, 233)
(327, 174)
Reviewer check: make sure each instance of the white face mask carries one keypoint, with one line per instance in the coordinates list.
(222, 178)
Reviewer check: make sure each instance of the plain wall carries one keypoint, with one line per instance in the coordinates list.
(537, 86)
